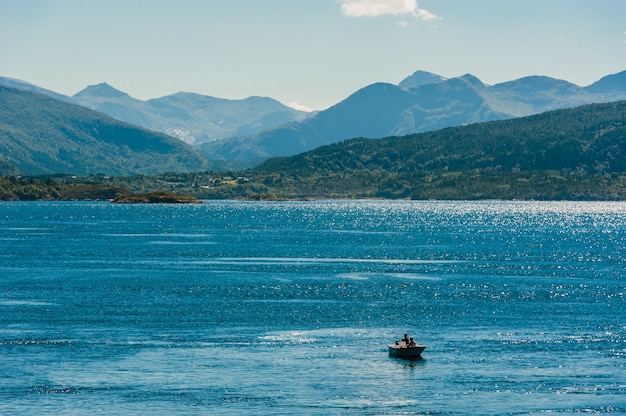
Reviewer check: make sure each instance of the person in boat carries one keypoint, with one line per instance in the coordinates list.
(405, 339)
(412, 343)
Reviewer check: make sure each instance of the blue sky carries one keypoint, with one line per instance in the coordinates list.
(311, 52)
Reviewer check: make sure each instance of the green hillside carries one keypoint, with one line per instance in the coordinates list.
(42, 135)
(589, 139)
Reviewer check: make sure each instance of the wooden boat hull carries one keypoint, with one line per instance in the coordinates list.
(406, 352)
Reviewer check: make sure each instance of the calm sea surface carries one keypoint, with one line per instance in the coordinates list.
(286, 308)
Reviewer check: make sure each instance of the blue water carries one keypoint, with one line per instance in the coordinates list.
(287, 307)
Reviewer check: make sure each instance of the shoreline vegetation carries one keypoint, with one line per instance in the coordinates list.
(256, 186)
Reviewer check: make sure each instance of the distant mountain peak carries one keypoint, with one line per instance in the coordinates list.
(609, 83)
(102, 90)
(539, 81)
(472, 79)
(419, 78)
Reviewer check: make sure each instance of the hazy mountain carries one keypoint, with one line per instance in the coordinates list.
(378, 110)
(216, 118)
(419, 78)
(537, 94)
(117, 104)
(40, 135)
(193, 118)
(431, 103)
(613, 85)
(102, 92)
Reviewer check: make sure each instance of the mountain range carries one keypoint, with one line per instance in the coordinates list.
(421, 102)
(243, 133)
(193, 118)
(190, 117)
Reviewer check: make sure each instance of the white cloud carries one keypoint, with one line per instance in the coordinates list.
(425, 15)
(300, 107)
(373, 8)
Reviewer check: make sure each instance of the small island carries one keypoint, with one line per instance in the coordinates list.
(159, 197)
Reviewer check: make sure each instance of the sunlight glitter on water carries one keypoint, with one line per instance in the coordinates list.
(270, 308)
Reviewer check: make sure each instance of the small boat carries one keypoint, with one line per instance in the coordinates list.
(401, 350)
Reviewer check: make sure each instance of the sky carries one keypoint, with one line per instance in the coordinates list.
(309, 54)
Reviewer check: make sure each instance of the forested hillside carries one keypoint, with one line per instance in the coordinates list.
(43, 135)
(589, 139)
(567, 154)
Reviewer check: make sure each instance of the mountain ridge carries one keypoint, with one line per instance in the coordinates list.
(191, 117)
(101, 90)
(419, 78)
(426, 107)
(609, 83)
